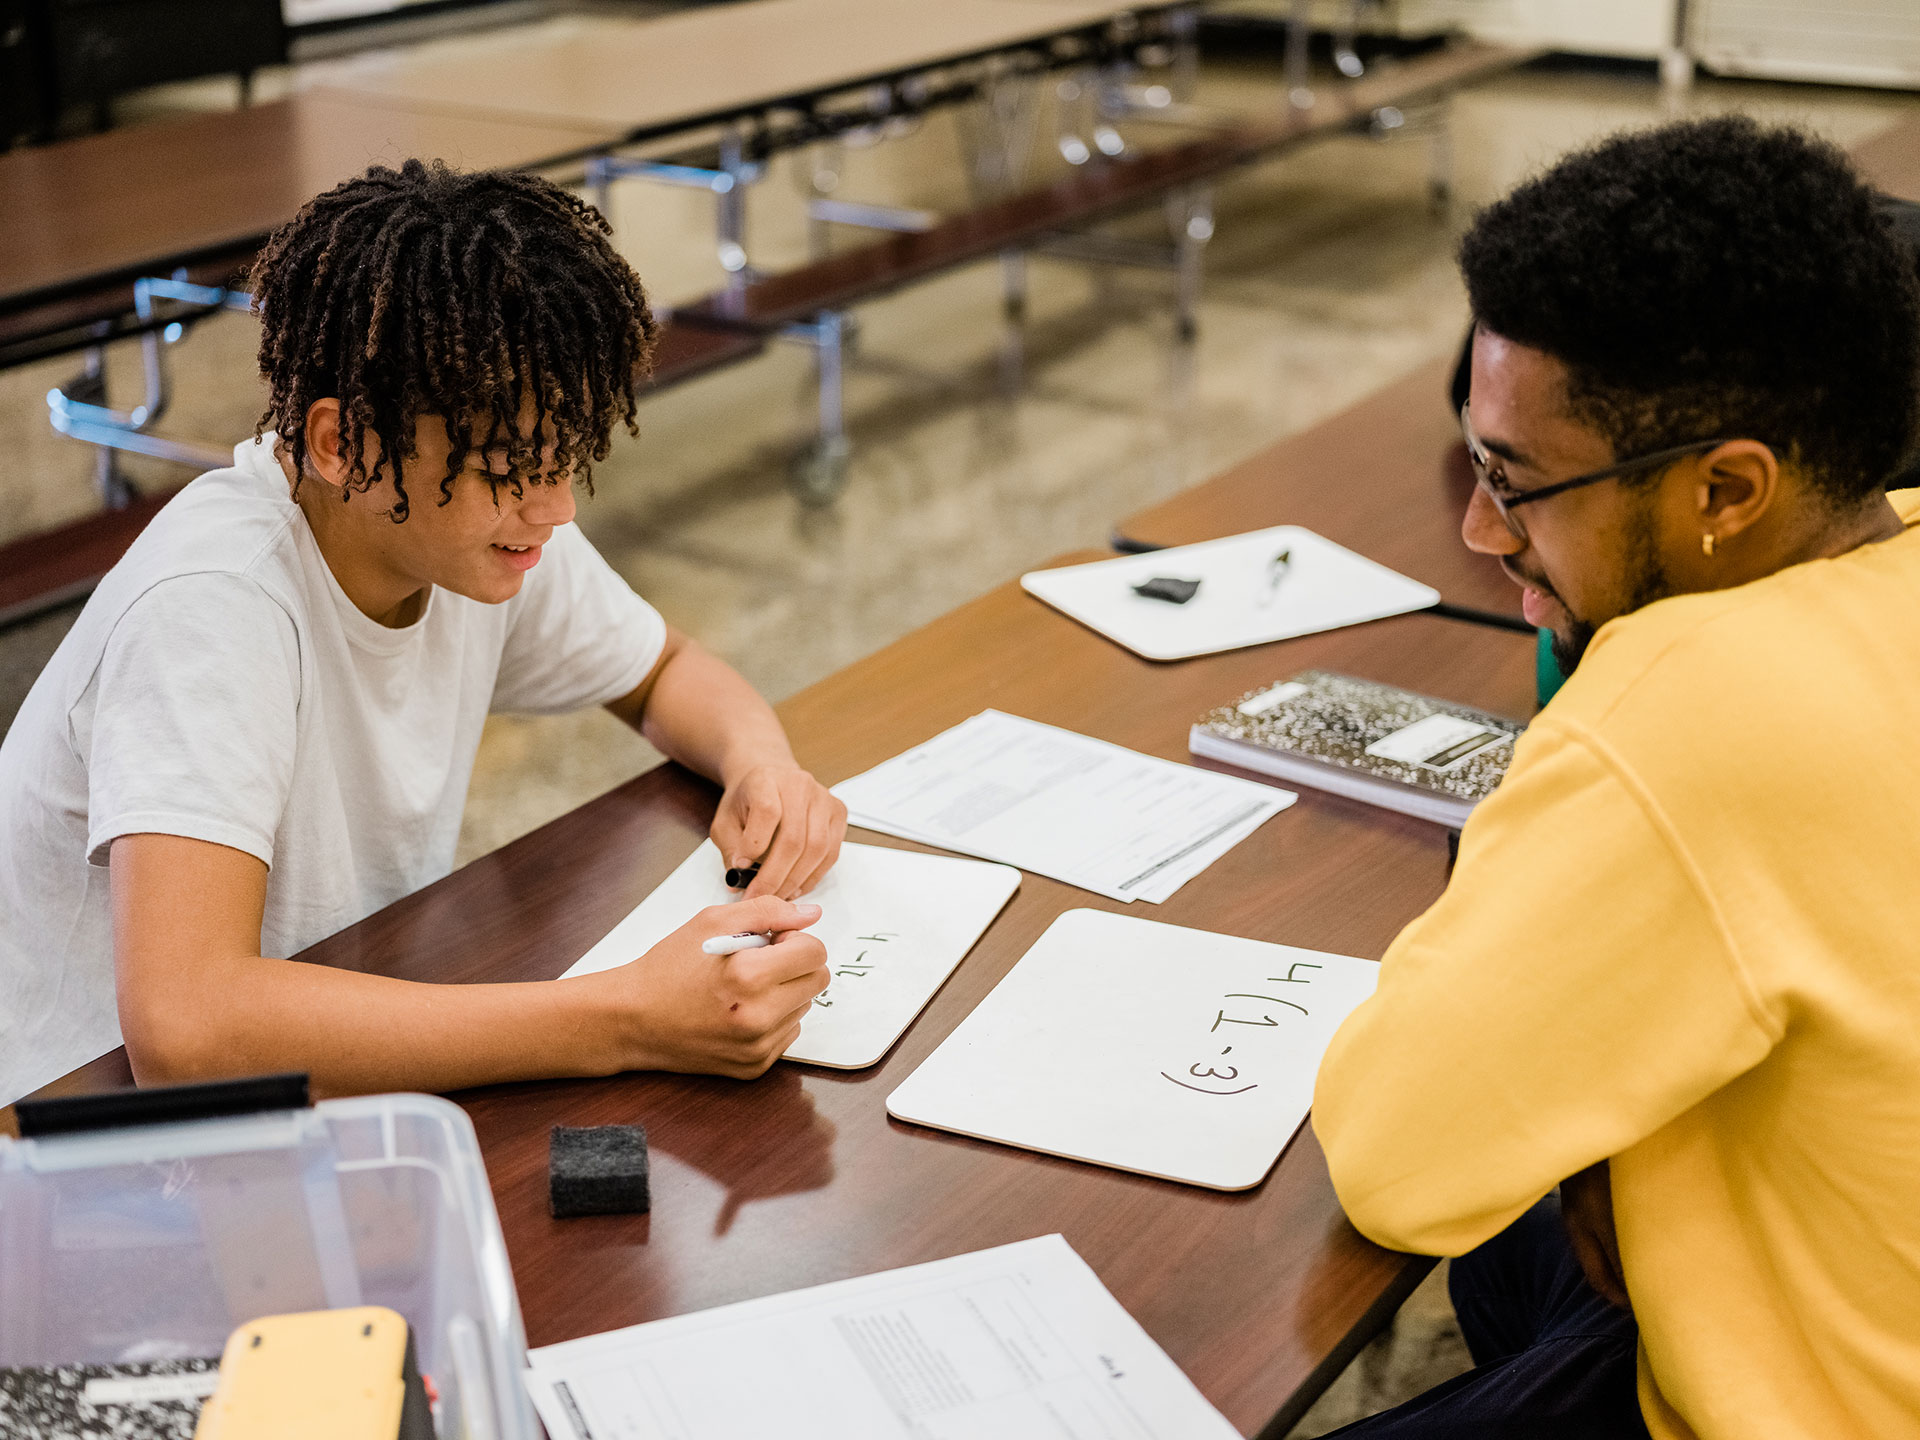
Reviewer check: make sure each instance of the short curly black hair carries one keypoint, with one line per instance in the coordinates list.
(426, 291)
(1708, 279)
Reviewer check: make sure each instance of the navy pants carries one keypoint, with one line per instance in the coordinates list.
(1552, 1360)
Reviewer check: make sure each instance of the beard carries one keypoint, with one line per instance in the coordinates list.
(1646, 580)
(1570, 645)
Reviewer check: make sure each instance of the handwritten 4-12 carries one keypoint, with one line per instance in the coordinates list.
(857, 968)
(1214, 1078)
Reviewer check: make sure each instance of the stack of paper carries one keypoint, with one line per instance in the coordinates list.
(1105, 818)
(1021, 1342)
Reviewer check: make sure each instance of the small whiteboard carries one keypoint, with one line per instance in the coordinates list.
(895, 924)
(1323, 586)
(1170, 1052)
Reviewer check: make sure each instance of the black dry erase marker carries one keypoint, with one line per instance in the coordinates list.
(1277, 569)
(739, 877)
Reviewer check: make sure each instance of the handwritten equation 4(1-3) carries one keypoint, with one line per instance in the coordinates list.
(1257, 1016)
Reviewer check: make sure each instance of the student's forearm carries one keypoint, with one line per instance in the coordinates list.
(354, 1033)
(195, 1004)
(775, 819)
(705, 715)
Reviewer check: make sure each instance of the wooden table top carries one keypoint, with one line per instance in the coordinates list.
(652, 75)
(1388, 478)
(102, 207)
(1889, 160)
(801, 1177)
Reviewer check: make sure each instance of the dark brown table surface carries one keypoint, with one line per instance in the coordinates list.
(801, 1178)
(100, 208)
(1388, 478)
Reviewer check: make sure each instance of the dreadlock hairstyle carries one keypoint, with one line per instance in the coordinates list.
(470, 297)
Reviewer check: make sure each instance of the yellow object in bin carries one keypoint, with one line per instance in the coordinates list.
(320, 1375)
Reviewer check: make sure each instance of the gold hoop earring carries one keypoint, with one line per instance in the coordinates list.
(1706, 544)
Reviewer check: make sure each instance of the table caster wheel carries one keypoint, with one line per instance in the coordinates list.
(819, 473)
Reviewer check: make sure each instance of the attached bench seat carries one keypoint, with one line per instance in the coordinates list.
(690, 347)
(43, 570)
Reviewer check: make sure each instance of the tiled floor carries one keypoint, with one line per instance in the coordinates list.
(1330, 275)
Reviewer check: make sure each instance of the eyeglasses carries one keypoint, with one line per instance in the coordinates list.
(1489, 477)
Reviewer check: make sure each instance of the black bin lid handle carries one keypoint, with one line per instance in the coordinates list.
(165, 1105)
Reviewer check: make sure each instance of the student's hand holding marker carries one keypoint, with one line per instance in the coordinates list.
(780, 826)
(699, 1013)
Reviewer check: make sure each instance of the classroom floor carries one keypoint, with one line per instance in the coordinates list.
(1329, 276)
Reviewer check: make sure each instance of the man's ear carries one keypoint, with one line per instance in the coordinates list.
(1736, 484)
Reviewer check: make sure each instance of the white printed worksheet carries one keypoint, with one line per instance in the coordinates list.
(1094, 814)
(1020, 1342)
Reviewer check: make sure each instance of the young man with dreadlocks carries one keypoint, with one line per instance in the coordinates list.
(262, 726)
(1674, 972)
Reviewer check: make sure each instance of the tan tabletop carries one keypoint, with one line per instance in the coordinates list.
(801, 1178)
(647, 76)
(1890, 158)
(102, 207)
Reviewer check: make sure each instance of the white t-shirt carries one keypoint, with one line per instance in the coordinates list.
(221, 686)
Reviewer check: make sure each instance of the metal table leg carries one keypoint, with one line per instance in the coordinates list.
(819, 472)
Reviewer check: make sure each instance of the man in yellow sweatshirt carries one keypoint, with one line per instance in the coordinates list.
(1678, 964)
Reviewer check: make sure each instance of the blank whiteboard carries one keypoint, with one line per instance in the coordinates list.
(1170, 1052)
(1324, 587)
(895, 924)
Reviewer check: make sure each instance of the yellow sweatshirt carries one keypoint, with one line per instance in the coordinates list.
(1685, 934)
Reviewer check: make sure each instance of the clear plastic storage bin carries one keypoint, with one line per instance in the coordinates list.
(154, 1242)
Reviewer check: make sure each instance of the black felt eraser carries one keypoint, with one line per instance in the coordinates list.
(597, 1170)
(1170, 588)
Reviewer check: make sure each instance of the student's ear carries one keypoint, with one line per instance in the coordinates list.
(325, 462)
(1737, 483)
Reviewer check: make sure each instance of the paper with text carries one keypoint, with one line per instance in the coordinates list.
(1108, 819)
(895, 924)
(1021, 1342)
(1171, 1052)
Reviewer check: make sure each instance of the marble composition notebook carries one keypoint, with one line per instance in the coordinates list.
(1378, 743)
(155, 1400)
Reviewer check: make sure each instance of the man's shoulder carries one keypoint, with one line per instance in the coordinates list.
(1778, 656)
(1663, 646)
